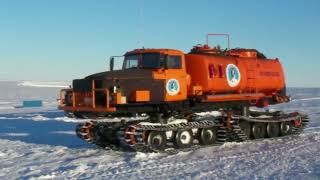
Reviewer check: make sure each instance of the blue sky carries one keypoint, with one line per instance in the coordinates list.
(64, 40)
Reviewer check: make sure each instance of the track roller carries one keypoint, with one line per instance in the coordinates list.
(157, 140)
(285, 128)
(184, 138)
(258, 130)
(273, 130)
(208, 136)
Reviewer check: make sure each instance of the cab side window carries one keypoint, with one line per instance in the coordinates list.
(173, 62)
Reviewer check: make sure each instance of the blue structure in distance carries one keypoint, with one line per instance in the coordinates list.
(32, 103)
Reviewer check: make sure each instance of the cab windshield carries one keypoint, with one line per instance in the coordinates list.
(151, 61)
(143, 61)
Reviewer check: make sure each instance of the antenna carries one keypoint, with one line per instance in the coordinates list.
(141, 19)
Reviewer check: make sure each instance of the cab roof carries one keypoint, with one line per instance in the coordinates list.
(153, 50)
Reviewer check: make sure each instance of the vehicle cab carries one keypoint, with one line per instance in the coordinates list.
(167, 65)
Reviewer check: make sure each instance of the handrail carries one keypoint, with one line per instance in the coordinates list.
(108, 107)
(219, 34)
(107, 99)
(107, 93)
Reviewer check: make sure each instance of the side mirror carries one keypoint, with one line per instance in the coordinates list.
(111, 63)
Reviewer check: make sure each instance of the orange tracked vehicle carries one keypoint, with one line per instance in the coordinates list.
(166, 90)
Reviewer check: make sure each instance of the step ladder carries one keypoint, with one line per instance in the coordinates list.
(251, 83)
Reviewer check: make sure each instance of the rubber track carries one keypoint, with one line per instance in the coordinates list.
(224, 134)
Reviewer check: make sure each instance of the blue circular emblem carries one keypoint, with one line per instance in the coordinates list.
(233, 75)
(173, 87)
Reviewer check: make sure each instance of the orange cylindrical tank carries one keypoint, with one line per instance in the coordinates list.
(229, 74)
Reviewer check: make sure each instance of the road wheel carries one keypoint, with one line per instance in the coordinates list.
(273, 130)
(285, 128)
(157, 140)
(184, 138)
(208, 136)
(258, 130)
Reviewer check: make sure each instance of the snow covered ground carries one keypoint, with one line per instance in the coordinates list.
(39, 143)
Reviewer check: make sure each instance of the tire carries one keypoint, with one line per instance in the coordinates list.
(246, 127)
(273, 130)
(285, 128)
(157, 140)
(258, 130)
(183, 139)
(208, 136)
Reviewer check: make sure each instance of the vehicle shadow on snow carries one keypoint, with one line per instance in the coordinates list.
(40, 128)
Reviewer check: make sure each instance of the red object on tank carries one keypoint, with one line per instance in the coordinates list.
(212, 71)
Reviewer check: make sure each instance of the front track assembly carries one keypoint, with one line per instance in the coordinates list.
(182, 135)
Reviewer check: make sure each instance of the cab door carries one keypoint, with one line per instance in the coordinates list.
(177, 79)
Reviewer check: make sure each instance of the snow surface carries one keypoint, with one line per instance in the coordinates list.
(40, 143)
